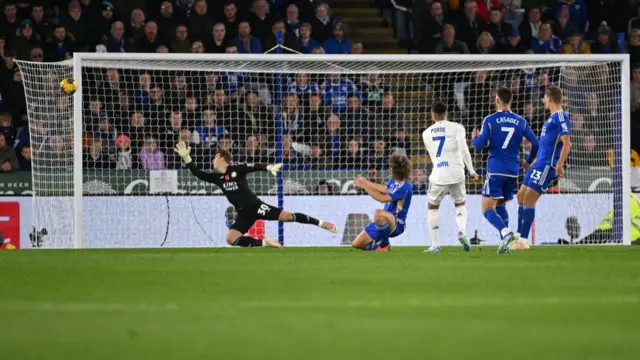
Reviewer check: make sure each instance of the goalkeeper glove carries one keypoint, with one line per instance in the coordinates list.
(274, 168)
(183, 151)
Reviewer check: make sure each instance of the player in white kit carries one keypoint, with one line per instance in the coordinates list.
(446, 142)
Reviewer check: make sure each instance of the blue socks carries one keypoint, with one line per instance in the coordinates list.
(501, 209)
(382, 238)
(528, 215)
(494, 219)
(520, 207)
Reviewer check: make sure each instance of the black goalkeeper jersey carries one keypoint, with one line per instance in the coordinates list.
(233, 183)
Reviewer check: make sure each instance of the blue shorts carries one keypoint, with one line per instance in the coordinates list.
(539, 177)
(499, 187)
(374, 233)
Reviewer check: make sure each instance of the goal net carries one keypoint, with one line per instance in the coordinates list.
(105, 173)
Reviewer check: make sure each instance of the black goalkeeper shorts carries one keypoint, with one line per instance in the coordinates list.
(250, 214)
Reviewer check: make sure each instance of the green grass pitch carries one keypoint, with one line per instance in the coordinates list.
(320, 303)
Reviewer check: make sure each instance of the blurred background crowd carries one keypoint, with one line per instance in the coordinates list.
(132, 118)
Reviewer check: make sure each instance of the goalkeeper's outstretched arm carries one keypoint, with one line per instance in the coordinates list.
(249, 168)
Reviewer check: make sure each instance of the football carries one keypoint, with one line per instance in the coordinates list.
(69, 86)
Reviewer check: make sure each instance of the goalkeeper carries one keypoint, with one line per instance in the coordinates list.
(231, 179)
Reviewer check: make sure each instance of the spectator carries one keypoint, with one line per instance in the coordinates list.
(634, 23)
(353, 157)
(635, 88)
(36, 54)
(162, 49)
(379, 158)
(468, 27)
(514, 44)
(197, 151)
(333, 137)
(200, 23)
(336, 90)
(231, 20)
(315, 116)
(77, 25)
(107, 135)
(7, 129)
(303, 87)
(477, 97)
(136, 130)
(293, 20)
(197, 47)
(210, 131)
(575, 45)
(251, 152)
(24, 160)
(497, 27)
(356, 118)
(535, 117)
(191, 113)
(305, 42)
(431, 31)
(61, 46)
(257, 118)
(322, 23)
(124, 157)
(150, 157)
(95, 158)
(605, 43)
(116, 41)
(261, 20)
(218, 44)
(141, 93)
(389, 117)
(245, 42)
(290, 40)
(546, 42)
(633, 49)
(485, 44)
(577, 12)
(357, 49)
(419, 181)
(135, 29)
(324, 187)
(11, 23)
(181, 42)
(292, 118)
(168, 21)
(338, 43)
(449, 44)
(373, 89)
(41, 26)
(25, 41)
(102, 23)
(518, 94)
(400, 144)
(563, 27)
(529, 29)
(485, 6)
(319, 50)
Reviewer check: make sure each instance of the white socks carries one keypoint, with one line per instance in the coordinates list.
(461, 218)
(434, 226)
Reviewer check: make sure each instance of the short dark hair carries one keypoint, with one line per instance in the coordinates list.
(554, 93)
(400, 166)
(439, 108)
(225, 155)
(505, 95)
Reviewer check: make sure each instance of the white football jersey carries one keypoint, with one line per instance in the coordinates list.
(446, 143)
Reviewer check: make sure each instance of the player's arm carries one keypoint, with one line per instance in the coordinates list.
(466, 155)
(184, 152)
(564, 153)
(379, 187)
(376, 191)
(535, 144)
(481, 139)
(249, 168)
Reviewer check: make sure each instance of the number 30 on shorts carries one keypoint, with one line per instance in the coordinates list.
(263, 209)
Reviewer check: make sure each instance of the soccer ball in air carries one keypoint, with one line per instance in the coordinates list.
(69, 86)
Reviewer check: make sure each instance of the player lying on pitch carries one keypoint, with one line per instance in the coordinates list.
(232, 180)
(396, 195)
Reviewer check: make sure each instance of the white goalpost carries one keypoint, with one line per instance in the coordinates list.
(105, 174)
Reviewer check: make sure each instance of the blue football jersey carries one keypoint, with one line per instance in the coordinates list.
(557, 125)
(400, 193)
(503, 132)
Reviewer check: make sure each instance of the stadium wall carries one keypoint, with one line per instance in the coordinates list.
(143, 221)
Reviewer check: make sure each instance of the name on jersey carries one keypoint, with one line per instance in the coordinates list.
(507, 120)
(230, 186)
(442, 164)
(438, 130)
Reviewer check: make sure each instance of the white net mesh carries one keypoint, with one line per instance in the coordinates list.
(337, 119)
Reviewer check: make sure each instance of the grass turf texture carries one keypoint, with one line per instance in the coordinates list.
(317, 303)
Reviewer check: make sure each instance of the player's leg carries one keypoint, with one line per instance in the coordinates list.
(501, 209)
(245, 220)
(493, 193)
(435, 194)
(301, 218)
(376, 235)
(459, 194)
(536, 182)
(362, 241)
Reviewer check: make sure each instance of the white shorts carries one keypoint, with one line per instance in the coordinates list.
(437, 192)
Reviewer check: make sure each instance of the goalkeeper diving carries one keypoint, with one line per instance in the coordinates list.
(231, 179)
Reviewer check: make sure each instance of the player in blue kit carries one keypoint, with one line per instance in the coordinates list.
(396, 195)
(555, 143)
(502, 132)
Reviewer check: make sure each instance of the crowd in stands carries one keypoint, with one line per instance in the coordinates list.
(329, 121)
